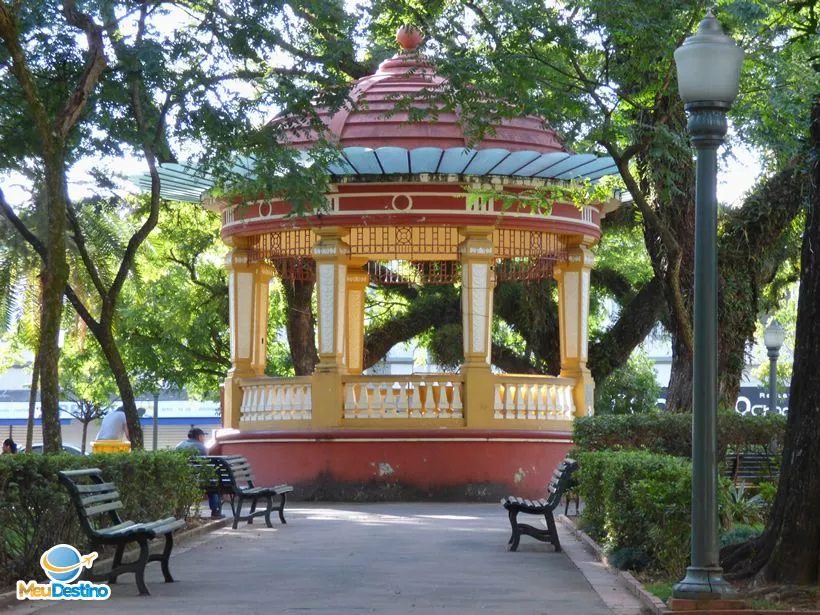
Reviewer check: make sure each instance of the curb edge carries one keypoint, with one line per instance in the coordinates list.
(633, 586)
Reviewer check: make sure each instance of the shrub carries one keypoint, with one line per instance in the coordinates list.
(36, 513)
(767, 491)
(738, 506)
(739, 534)
(629, 558)
(638, 500)
(671, 433)
(630, 389)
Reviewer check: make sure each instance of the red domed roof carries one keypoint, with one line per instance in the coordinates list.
(372, 123)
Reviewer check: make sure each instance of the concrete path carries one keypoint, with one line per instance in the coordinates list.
(352, 559)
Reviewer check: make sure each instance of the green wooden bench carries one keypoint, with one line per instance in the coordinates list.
(234, 477)
(97, 503)
(561, 481)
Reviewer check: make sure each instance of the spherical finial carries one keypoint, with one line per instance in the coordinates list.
(409, 37)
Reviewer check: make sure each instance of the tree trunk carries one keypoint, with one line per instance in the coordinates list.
(32, 402)
(794, 529)
(85, 436)
(788, 551)
(301, 326)
(54, 278)
(673, 255)
(129, 403)
(679, 391)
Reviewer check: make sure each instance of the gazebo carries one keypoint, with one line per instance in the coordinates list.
(410, 202)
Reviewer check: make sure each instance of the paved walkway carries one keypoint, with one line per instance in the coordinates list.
(390, 559)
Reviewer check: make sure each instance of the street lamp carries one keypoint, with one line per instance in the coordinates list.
(773, 337)
(708, 66)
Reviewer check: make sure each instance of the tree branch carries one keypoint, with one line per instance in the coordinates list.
(636, 321)
(21, 227)
(94, 66)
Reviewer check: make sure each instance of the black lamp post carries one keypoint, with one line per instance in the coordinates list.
(708, 66)
(773, 337)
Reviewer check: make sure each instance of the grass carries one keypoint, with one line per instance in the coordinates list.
(662, 590)
(768, 604)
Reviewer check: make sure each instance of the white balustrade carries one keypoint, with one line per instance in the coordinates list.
(539, 400)
(408, 397)
(275, 400)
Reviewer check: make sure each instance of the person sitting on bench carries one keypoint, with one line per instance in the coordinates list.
(196, 442)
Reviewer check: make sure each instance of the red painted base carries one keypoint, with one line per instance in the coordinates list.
(374, 465)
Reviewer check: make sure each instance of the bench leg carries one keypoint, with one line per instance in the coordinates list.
(139, 570)
(253, 509)
(269, 500)
(515, 538)
(237, 511)
(282, 499)
(117, 562)
(163, 557)
(553, 532)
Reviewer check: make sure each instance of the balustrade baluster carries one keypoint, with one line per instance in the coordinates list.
(350, 401)
(521, 391)
(389, 401)
(297, 402)
(498, 404)
(415, 400)
(401, 399)
(541, 401)
(509, 401)
(308, 402)
(286, 402)
(362, 402)
(429, 400)
(456, 403)
(532, 394)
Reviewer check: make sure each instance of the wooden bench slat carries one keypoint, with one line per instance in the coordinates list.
(102, 497)
(90, 511)
(96, 488)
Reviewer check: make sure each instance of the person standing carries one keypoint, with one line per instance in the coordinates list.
(196, 445)
(114, 426)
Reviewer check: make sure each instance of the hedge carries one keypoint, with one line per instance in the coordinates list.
(638, 501)
(36, 513)
(671, 433)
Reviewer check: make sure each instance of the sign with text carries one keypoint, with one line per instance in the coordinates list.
(752, 401)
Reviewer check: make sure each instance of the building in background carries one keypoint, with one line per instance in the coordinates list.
(176, 414)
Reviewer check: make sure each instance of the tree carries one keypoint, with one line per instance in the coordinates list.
(54, 117)
(183, 344)
(177, 70)
(788, 550)
(85, 380)
(632, 388)
(603, 74)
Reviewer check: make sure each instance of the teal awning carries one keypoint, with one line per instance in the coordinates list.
(187, 183)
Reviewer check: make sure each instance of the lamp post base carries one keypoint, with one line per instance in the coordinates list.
(703, 583)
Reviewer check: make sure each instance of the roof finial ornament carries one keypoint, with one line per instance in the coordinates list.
(409, 37)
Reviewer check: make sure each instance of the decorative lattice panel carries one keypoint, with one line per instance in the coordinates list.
(412, 273)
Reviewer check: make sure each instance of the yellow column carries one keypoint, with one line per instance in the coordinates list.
(357, 281)
(477, 256)
(331, 255)
(248, 285)
(573, 306)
